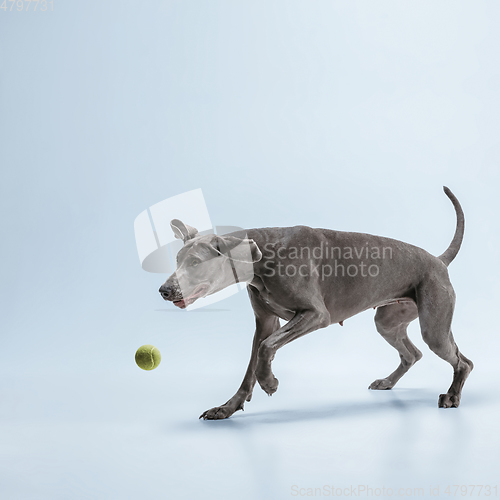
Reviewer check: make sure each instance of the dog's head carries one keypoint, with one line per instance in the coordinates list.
(207, 264)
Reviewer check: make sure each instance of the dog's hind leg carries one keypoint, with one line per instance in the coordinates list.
(436, 301)
(391, 322)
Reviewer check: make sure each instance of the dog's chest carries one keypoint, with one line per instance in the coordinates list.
(268, 301)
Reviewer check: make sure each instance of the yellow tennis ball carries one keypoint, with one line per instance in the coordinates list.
(147, 357)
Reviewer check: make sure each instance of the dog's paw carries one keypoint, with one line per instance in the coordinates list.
(448, 401)
(381, 384)
(269, 384)
(218, 413)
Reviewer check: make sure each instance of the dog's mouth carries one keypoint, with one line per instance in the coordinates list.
(198, 292)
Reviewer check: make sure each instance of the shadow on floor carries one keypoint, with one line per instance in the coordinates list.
(396, 401)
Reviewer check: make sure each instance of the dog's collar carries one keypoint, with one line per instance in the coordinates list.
(233, 268)
(225, 251)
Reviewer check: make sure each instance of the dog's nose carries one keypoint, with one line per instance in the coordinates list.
(166, 291)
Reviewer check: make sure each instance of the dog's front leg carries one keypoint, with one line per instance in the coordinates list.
(266, 324)
(302, 323)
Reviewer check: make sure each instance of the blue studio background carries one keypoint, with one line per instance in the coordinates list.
(342, 114)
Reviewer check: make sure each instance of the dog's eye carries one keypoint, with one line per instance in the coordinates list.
(195, 262)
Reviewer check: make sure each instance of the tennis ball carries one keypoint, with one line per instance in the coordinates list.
(147, 357)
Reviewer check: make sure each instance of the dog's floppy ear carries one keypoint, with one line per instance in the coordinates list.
(183, 231)
(237, 249)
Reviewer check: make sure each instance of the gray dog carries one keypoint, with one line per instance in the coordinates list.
(313, 278)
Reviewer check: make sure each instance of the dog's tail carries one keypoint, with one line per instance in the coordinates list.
(452, 250)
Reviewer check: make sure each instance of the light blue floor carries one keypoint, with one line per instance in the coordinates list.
(101, 430)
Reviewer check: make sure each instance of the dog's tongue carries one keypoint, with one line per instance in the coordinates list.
(183, 303)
